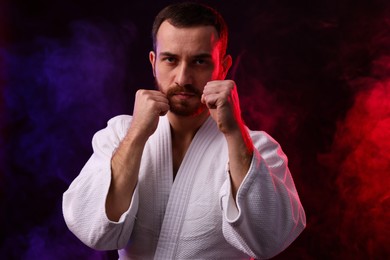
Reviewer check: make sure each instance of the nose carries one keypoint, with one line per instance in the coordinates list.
(183, 75)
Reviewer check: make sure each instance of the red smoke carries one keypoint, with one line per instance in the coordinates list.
(362, 144)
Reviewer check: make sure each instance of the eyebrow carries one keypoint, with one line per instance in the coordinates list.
(203, 56)
(197, 56)
(167, 53)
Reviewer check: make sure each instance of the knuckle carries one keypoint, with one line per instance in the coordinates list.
(231, 84)
(140, 92)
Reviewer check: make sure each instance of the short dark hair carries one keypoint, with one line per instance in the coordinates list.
(189, 14)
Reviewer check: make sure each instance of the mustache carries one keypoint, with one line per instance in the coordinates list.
(186, 88)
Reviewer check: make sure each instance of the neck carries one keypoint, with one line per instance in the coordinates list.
(185, 127)
(183, 130)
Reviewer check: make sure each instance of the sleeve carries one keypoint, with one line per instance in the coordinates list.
(83, 203)
(267, 215)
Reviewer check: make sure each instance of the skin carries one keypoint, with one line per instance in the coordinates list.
(183, 57)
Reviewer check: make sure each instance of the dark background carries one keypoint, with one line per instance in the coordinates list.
(313, 74)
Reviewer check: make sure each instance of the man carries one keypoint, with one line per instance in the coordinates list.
(183, 178)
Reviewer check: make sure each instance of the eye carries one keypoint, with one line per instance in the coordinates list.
(199, 61)
(169, 59)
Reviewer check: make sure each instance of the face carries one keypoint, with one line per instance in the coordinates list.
(184, 61)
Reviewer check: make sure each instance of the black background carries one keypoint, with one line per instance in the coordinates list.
(313, 74)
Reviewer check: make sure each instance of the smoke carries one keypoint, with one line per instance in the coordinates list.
(363, 146)
(320, 85)
(360, 153)
(315, 75)
(59, 92)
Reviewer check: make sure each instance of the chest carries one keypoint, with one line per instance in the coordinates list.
(178, 152)
(189, 176)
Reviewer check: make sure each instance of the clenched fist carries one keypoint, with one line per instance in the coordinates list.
(221, 98)
(148, 106)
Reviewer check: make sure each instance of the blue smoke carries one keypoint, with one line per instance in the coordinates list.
(58, 93)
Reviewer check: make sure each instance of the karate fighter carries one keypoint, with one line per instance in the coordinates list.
(184, 178)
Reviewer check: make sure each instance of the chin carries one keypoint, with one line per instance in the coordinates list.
(188, 112)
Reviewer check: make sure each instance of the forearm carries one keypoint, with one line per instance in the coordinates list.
(240, 155)
(266, 203)
(125, 165)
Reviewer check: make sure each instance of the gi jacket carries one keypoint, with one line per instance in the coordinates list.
(195, 215)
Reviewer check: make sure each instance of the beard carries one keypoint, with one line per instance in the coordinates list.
(184, 107)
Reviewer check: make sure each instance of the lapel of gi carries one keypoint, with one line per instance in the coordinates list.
(181, 190)
(163, 171)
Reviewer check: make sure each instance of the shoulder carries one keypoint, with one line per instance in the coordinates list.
(120, 123)
(263, 141)
(257, 135)
(120, 120)
(116, 127)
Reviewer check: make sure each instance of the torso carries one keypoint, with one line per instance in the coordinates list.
(186, 210)
(179, 149)
(183, 131)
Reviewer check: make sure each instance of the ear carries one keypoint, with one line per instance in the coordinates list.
(152, 59)
(226, 64)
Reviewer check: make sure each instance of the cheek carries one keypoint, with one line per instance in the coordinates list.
(162, 81)
(162, 72)
(161, 76)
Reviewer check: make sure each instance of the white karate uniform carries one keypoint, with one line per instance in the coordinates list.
(195, 215)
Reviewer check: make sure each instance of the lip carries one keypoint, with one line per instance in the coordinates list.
(184, 95)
